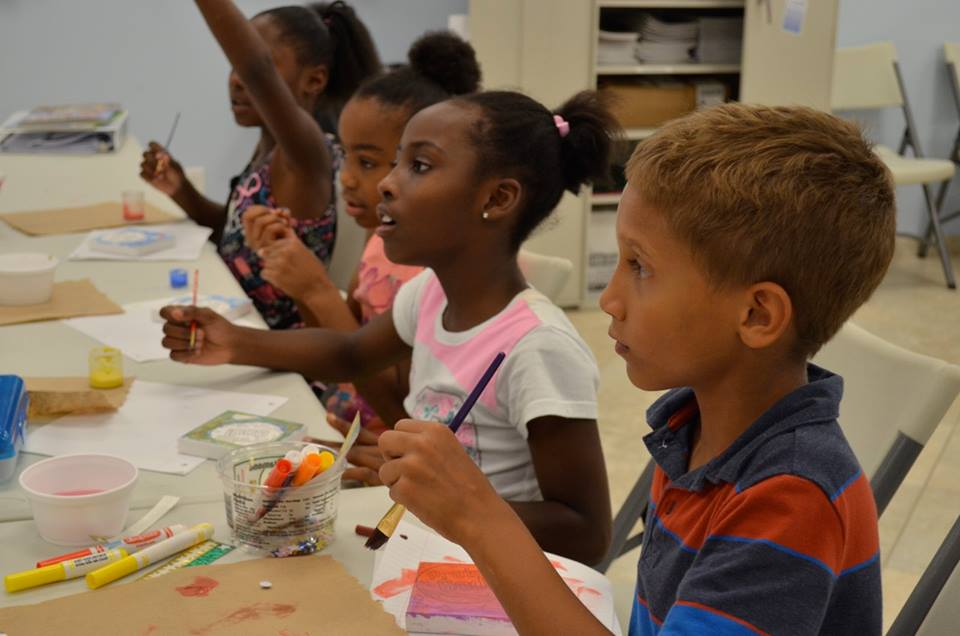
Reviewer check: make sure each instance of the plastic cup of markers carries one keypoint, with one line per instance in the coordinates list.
(296, 513)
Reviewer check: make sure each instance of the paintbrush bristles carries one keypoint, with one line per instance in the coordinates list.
(376, 540)
(385, 527)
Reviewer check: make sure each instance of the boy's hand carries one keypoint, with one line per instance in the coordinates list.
(262, 225)
(289, 265)
(160, 170)
(216, 337)
(365, 455)
(429, 472)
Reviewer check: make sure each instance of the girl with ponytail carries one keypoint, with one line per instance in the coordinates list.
(472, 177)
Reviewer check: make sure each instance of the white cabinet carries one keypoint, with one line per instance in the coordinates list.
(548, 49)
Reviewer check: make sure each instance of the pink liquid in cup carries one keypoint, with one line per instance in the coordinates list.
(79, 492)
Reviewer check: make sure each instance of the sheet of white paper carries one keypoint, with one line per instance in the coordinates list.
(190, 238)
(137, 332)
(411, 544)
(145, 429)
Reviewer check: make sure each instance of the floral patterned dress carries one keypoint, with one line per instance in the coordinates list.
(252, 187)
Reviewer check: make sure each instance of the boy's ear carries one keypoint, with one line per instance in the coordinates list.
(503, 199)
(766, 315)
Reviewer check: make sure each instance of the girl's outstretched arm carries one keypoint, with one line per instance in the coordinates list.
(322, 354)
(294, 129)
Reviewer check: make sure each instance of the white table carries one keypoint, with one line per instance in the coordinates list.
(53, 349)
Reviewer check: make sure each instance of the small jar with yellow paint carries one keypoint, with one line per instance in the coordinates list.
(106, 368)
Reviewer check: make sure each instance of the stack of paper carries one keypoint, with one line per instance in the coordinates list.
(396, 568)
(71, 129)
(720, 40)
(616, 47)
(666, 42)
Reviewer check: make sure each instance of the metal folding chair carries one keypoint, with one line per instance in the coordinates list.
(934, 605)
(868, 78)
(951, 53)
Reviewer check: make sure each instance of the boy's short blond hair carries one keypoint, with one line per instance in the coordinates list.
(789, 195)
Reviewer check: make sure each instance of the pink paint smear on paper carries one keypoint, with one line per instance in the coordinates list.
(201, 586)
(245, 614)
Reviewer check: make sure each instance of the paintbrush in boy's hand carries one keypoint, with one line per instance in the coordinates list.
(389, 522)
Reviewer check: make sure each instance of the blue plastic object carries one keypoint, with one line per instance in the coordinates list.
(178, 278)
(13, 422)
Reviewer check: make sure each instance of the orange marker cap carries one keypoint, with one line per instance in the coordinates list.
(309, 467)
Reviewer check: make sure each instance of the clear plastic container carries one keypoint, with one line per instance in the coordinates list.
(293, 514)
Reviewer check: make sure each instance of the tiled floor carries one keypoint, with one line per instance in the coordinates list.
(914, 309)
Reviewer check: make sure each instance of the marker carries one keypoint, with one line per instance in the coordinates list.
(130, 564)
(327, 460)
(69, 569)
(130, 544)
(309, 467)
(294, 457)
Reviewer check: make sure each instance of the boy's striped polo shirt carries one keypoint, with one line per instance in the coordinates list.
(777, 535)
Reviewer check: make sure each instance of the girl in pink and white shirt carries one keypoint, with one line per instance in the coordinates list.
(474, 175)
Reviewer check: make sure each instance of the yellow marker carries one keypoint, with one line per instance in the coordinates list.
(130, 564)
(61, 571)
(326, 460)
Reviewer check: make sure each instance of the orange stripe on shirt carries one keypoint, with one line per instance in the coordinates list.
(858, 510)
(791, 512)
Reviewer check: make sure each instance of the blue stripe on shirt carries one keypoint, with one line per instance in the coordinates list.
(689, 620)
(775, 546)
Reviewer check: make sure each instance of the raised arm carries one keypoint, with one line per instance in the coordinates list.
(294, 129)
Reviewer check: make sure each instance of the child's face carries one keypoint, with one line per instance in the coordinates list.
(301, 81)
(670, 325)
(369, 134)
(432, 198)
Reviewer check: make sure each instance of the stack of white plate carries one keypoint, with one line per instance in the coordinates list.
(666, 42)
(616, 47)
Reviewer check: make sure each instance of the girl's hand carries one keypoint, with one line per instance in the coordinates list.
(289, 265)
(365, 455)
(262, 225)
(161, 171)
(216, 337)
(429, 472)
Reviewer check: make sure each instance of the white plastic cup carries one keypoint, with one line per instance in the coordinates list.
(26, 278)
(79, 499)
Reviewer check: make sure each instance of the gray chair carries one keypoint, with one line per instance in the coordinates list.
(933, 608)
(951, 53)
(893, 400)
(868, 78)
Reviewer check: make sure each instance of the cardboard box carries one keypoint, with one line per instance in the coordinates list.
(645, 105)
